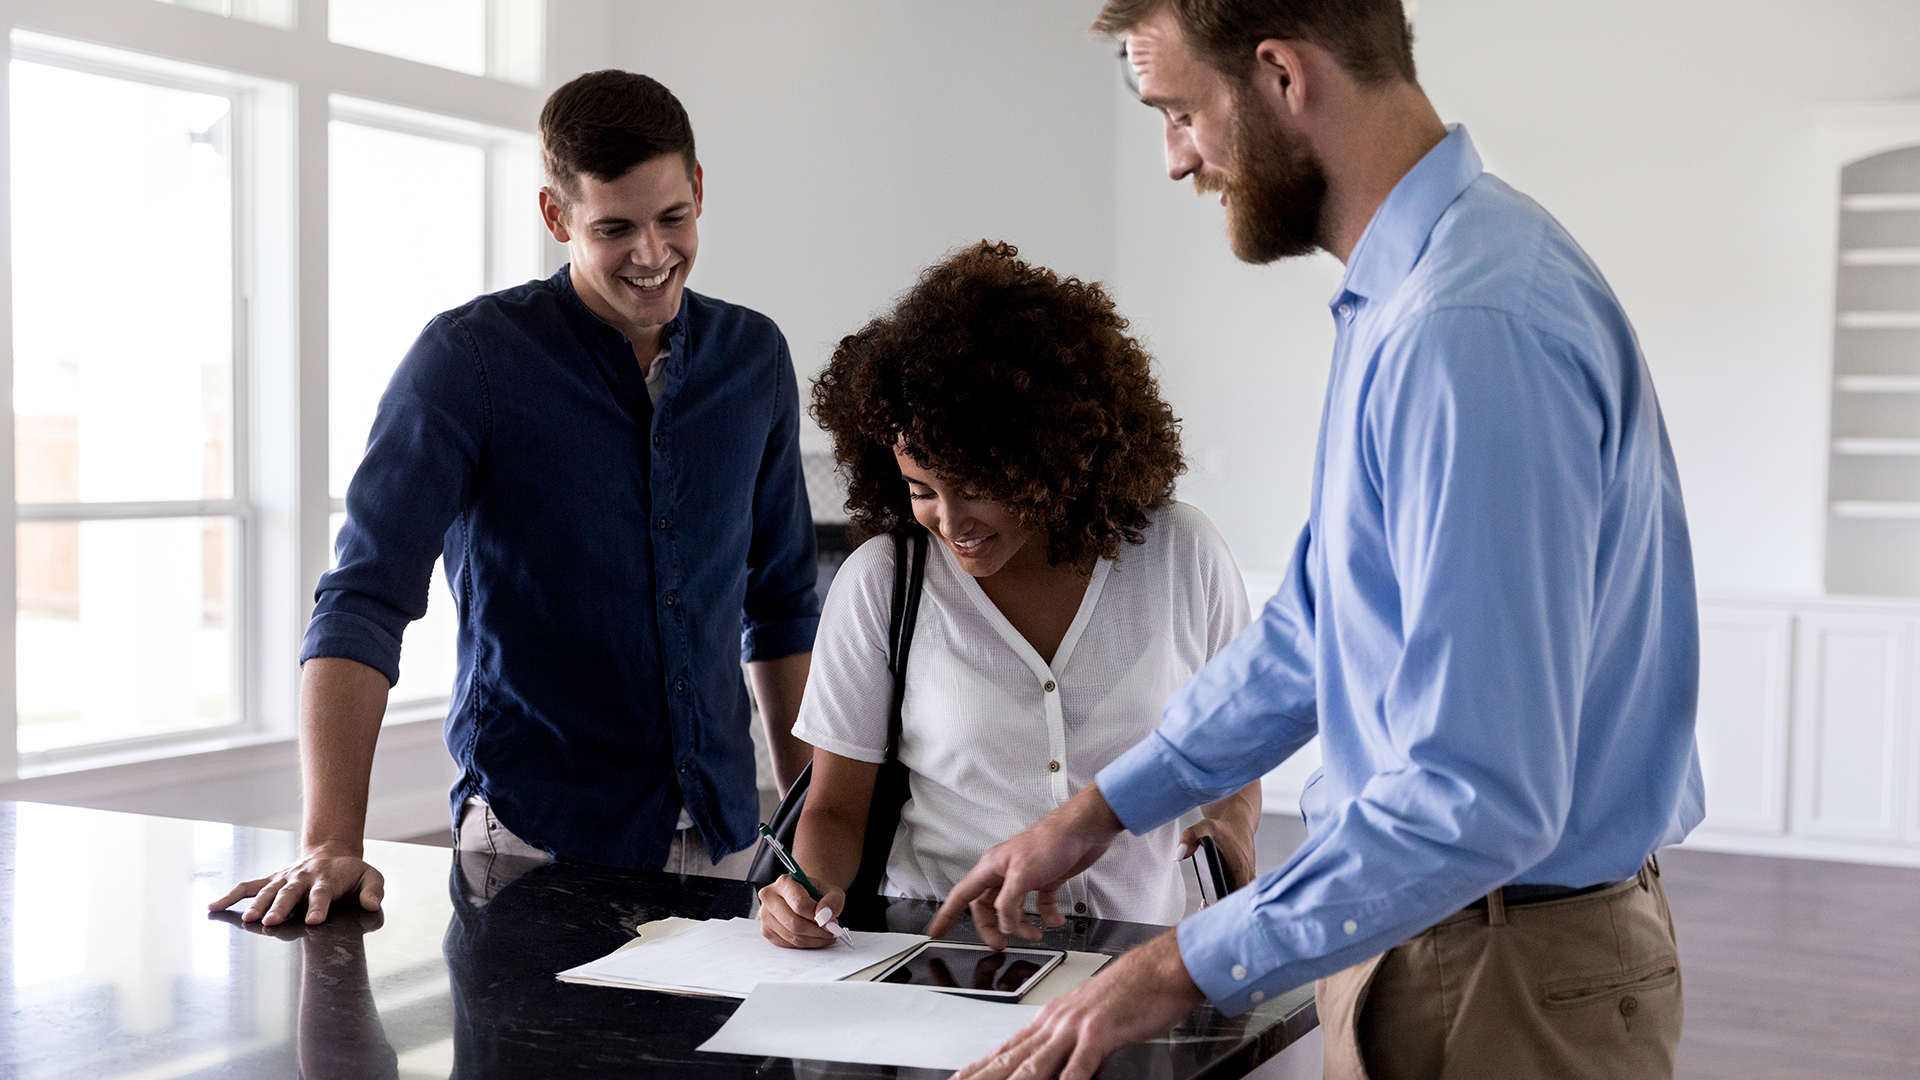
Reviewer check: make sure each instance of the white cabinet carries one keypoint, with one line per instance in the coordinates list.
(1852, 713)
(1746, 665)
(1809, 728)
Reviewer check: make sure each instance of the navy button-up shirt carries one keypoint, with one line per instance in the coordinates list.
(612, 562)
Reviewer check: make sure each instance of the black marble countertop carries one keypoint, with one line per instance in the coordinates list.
(114, 968)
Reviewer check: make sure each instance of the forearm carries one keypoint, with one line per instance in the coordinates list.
(342, 703)
(777, 688)
(1240, 809)
(828, 844)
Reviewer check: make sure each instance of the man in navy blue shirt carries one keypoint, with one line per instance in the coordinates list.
(608, 462)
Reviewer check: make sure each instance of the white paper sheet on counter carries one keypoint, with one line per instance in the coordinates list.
(868, 1023)
(727, 957)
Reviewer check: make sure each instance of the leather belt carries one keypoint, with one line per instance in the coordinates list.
(1513, 895)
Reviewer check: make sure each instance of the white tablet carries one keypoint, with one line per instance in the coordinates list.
(973, 970)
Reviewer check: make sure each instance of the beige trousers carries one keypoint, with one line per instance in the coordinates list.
(1585, 987)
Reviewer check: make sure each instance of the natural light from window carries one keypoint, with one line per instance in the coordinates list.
(123, 368)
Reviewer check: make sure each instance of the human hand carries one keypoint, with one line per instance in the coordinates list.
(790, 918)
(1138, 997)
(323, 876)
(1234, 843)
(1039, 860)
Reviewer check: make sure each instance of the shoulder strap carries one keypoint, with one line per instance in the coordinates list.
(909, 578)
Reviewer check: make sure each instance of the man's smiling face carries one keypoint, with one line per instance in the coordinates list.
(631, 241)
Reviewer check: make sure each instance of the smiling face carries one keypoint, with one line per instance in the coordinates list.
(1270, 180)
(631, 241)
(982, 534)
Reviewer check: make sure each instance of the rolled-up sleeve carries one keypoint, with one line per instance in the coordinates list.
(427, 439)
(782, 610)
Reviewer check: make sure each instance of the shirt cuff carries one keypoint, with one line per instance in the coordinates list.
(1141, 786)
(346, 636)
(773, 640)
(1228, 956)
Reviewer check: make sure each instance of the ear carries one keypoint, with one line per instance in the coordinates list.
(699, 188)
(1280, 74)
(554, 214)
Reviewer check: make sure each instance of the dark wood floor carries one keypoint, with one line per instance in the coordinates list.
(1794, 969)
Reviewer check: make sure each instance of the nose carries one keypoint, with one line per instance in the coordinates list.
(649, 249)
(1183, 159)
(951, 516)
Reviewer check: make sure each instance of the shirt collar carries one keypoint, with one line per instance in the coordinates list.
(562, 281)
(1399, 230)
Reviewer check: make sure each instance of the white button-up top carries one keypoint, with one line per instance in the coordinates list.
(994, 736)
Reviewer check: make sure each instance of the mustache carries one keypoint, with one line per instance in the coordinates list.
(1204, 182)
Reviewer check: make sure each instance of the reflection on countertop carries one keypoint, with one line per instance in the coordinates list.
(117, 970)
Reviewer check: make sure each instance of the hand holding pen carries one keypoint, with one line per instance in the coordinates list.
(793, 911)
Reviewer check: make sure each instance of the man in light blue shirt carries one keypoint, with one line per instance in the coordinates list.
(1489, 619)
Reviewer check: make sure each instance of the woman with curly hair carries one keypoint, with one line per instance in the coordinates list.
(1006, 411)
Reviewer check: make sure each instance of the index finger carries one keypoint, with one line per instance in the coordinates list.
(977, 882)
(238, 892)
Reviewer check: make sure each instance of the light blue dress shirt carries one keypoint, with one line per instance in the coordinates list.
(1489, 619)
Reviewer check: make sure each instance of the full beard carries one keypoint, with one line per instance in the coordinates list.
(1275, 190)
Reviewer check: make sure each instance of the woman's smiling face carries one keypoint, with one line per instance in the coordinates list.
(982, 534)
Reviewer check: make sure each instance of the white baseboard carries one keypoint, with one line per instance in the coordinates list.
(1801, 847)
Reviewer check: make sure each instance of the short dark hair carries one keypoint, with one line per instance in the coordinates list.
(1023, 386)
(606, 122)
(1370, 38)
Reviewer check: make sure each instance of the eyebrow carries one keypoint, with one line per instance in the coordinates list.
(682, 205)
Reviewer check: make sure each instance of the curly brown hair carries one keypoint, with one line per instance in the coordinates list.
(1019, 384)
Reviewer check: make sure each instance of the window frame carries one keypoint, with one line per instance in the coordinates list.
(280, 500)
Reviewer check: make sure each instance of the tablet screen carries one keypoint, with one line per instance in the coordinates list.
(973, 969)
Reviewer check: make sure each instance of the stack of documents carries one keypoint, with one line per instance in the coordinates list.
(728, 957)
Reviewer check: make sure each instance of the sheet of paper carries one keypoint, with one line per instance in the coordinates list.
(869, 1023)
(728, 957)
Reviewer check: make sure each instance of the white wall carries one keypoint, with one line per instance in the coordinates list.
(1677, 142)
(848, 145)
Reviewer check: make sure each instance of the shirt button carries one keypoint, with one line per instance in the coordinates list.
(658, 440)
(1053, 766)
(1346, 311)
(679, 684)
(669, 600)
(1349, 926)
(1049, 687)
(684, 766)
(1239, 972)
(1080, 908)
(1257, 997)
(666, 523)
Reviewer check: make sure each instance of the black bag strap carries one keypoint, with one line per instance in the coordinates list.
(908, 583)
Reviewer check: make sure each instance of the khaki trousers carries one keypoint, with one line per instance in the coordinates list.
(1588, 986)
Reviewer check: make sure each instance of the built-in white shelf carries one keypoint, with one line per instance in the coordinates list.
(1883, 511)
(1884, 256)
(1881, 203)
(1879, 320)
(1878, 384)
(1878, 447)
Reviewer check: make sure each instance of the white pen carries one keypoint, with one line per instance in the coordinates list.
(823, 917)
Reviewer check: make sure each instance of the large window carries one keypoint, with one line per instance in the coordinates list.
(123, 405)
(177, 479)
